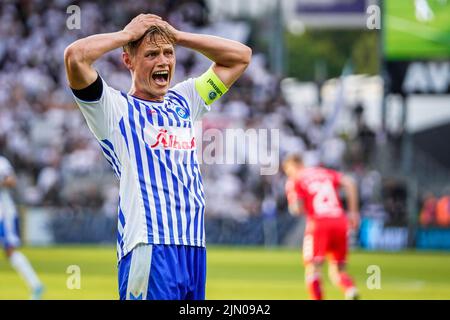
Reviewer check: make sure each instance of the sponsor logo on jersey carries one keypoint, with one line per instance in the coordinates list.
(171, 141)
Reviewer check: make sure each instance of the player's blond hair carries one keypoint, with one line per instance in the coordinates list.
(153, 34)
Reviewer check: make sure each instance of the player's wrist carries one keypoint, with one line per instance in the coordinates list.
(180, 37)
(126, 36)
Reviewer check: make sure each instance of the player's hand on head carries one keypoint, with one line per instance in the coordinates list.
(140, 24)
(171, 30)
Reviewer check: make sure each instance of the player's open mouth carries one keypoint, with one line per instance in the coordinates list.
(161, 77)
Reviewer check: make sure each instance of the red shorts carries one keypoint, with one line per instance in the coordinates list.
(326, 236)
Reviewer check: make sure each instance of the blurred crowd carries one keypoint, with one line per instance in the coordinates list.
(435, 211)
(59, 163)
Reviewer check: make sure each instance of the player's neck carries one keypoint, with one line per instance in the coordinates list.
(300, 170)
(144, 95)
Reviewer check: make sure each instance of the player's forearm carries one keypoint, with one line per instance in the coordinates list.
(89, 49)
(295, 208)
(80, 55)
(224, 52)
(351, 192)
(352, 198)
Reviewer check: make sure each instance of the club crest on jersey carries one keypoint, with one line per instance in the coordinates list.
(182, 112)
(171, 141)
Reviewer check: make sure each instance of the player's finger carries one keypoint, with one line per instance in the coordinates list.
(164, 24)
(155, 22)
(160, 23)
(151, 15)
(149, 21)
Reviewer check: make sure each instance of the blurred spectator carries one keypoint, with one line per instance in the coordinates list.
(435, 211)
(428, 213)
(363, 143)
(443, 211)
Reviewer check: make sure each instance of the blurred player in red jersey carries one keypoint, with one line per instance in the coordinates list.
(314, 191)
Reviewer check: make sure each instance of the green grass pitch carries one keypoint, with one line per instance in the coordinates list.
(406, 38)
(238, 273)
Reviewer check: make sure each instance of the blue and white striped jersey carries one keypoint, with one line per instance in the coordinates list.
(7, 206)
(152, 150)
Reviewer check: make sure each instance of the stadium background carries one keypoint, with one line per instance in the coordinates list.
(370, 102)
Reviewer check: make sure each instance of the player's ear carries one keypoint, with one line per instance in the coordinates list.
(127, 60)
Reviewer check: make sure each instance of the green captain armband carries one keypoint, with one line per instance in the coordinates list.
(210, 87)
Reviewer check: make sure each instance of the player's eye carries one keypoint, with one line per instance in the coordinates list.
(152, 54)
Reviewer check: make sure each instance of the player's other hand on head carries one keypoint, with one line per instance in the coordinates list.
(140, 24)
(174, 33)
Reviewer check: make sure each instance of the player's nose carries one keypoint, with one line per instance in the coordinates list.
(163, 60)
